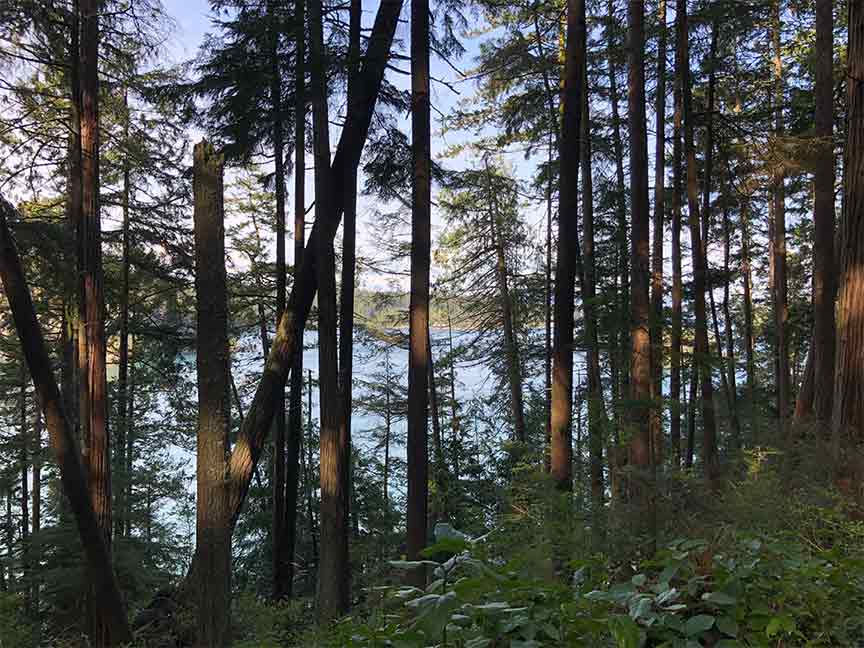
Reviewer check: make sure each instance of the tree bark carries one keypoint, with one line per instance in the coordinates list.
(419, 352)
(93, 361)
(640, 309)
(24, 460)
(847, 419)
(568, 233)
(213, 534)
(824, 288)
(657, 320)
(61, 436)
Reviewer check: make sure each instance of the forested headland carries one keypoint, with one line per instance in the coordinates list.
(477, 324)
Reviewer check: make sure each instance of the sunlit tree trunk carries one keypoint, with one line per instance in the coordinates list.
(212, 530)
(333, 595)
(848, 407)
(418, 359)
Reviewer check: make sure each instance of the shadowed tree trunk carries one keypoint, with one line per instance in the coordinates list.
(333, 596)
(640, 351)
(657, 244)
(419, 352)
(24, 460)
(568, 247)
(700, 348)
(123, 359)
(213, 534)
(824, 288)
(106, 594)
(677, 287)
(596, 404)
(848, 408)
(346, 297)
(778, 199)
(282, 552)
(295, 409)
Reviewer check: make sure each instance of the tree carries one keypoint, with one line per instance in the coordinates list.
(824, 289)
(62, 439)
(213, 533)
(568, 247)
(418, 332)
(333, 596)
(656, 319)
(640, 351)
(702, 365)
(847, 417)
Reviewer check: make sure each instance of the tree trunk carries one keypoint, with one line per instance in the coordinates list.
(295, 409)
(568, 232)
(333, 571)
(781, 307)
(95, 386)
(61, 436)
(346, 297)
(621, 388)
(677, 283)
(24, 460)
(418, 360)
(36, 553)
(511, 350)
(730, 338)
(657, 245)
(282, 552)
(748, 312)
(701, 350)
(824, 288)
(213, 534)
(640, 351)
(848, 409)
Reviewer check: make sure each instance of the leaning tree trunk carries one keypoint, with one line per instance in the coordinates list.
(568, 247)
(61, 437)
(213, 534)
(418, 362)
